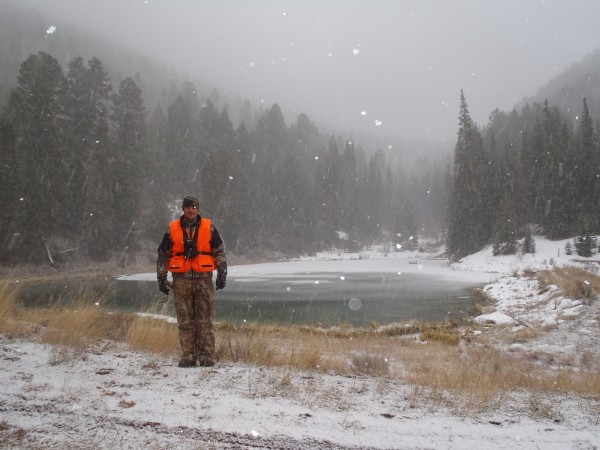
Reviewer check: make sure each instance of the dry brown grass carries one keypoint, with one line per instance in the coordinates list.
(438, 366)
(9, 308)
(482, 376)
(78, 322)
(153, 334)
(573, 282)
(447, 333)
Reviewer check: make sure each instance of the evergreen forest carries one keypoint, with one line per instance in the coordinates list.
(95, 158)
(525, 171)
(88, 170)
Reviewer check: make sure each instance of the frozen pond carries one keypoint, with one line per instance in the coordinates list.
(328, 292)
(383, 290)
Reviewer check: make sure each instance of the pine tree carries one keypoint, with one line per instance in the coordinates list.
(8, 186)
(466, 232)
(568, 248)
(584, 176)
(528, 242)
(585, 242)
(129, 138)
(88, 101)
(36, 114)
(504, 237)
(554, 205)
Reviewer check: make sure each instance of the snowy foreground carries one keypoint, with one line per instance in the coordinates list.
(117, 398)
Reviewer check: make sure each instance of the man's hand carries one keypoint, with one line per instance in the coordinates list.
(164, 285)
(221, 278)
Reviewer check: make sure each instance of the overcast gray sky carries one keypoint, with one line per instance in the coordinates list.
(382, 66)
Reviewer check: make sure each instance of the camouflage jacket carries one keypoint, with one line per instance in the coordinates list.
(216, 244)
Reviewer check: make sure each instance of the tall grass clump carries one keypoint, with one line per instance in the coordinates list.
(154, 333)
(483, 375)
(447, 333)
(370, 364)
(248, 347)
(78, 321)
(573, 282)
(9, 307)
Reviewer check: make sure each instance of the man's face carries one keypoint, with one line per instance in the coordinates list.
(190, 212)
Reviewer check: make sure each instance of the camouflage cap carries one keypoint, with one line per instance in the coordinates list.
(190, 200)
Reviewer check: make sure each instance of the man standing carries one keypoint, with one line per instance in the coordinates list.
(191, 250)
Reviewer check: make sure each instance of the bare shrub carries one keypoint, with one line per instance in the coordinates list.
(573, 282)
(447, 333)
(370, 364)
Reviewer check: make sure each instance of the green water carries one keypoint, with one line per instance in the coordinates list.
(327, 298)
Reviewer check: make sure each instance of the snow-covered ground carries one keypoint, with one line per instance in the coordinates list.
(117, 398)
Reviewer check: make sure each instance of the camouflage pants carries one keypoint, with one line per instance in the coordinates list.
(195, 306)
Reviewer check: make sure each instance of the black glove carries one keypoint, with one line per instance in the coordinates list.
(163, 286)
(221, 278)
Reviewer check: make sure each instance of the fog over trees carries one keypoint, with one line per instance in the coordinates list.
(95, 158)
(86, 167)
(524, 169)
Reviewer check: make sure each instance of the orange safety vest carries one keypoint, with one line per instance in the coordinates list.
(204, 262)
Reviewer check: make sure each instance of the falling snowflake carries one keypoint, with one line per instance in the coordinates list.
(355, 51)
(378, 123)
(51, 29)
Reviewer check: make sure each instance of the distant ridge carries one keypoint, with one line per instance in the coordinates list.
(567, 90)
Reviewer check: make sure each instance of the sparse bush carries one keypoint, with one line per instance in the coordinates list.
(370, 364)
(528, 241)
(573, 282)
(568, 248)
(475, 310)
(447, 333)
